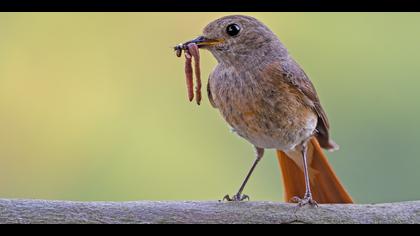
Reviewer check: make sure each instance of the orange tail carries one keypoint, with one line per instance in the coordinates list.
(326, 188)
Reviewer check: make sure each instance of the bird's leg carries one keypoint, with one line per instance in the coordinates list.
(259, 152)
(307, 199)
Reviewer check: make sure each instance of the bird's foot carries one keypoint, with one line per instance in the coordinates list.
(306, 201)
(236, 198)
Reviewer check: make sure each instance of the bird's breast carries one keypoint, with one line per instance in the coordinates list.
(267, 114)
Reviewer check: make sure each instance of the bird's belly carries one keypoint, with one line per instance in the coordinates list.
(278, 122)
(283, 133)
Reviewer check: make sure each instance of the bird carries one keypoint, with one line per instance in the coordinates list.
(266, 98)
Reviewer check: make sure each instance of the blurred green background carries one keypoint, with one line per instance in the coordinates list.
(93, 106)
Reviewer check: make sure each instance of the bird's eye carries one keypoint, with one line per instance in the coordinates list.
(233, 29)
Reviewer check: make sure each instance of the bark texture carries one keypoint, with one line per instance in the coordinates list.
(152, 212)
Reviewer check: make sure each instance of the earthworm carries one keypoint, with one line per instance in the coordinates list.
(189, 75)
(194, 51)
(191, 50)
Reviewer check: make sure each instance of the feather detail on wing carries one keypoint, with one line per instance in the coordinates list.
(290, 72)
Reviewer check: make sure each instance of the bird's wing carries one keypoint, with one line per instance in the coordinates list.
(290, 71)
(209, 94)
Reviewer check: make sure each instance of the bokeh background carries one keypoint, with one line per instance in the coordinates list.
(93, 106)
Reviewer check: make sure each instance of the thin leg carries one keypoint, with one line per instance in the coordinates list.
(307, 200)
(239, 197)
(308, 193)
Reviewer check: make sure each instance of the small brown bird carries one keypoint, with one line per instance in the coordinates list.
(267, 98)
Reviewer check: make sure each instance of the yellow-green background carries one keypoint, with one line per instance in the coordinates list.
(93, 106)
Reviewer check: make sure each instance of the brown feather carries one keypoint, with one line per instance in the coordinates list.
(289, 71)
(210, 95)
(326, 187)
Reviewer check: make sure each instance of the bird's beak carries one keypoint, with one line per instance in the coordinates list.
(202, 41)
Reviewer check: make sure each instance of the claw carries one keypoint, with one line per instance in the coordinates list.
(236, 198)
(245, 197)
(227, 198)
(307, 201)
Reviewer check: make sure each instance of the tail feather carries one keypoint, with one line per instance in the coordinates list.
(325, 185)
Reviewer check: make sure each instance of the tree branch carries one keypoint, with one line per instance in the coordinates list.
(145, 212)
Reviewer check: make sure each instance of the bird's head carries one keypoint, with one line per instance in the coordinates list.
(237, 37)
